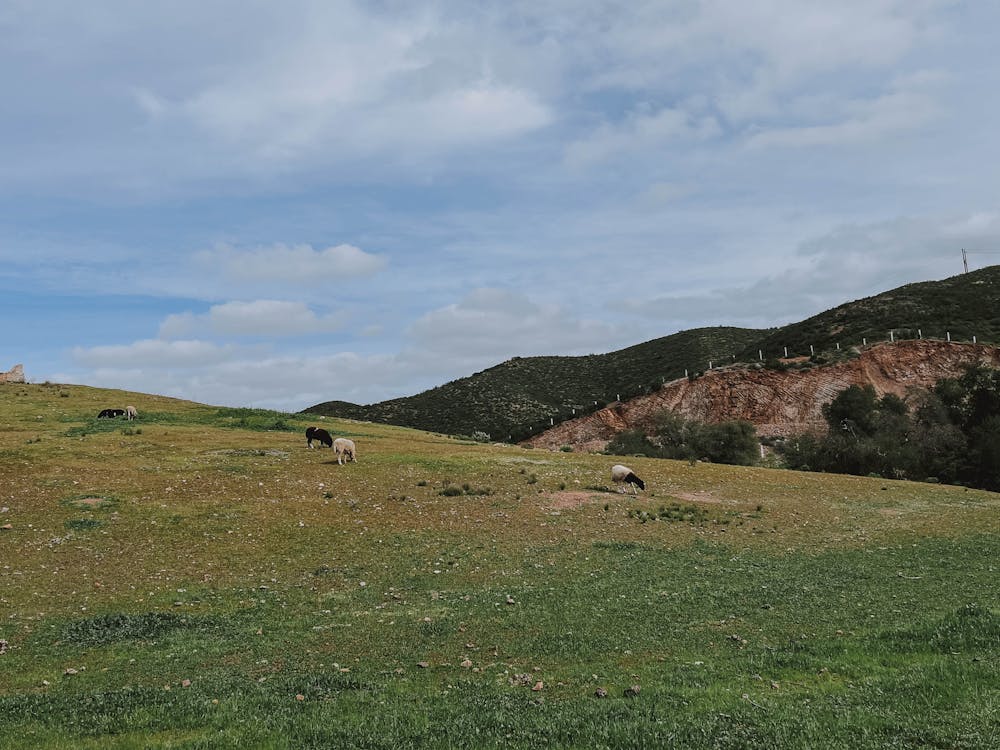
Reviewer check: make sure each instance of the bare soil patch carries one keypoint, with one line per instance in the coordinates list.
(702, 496)
(570, 499)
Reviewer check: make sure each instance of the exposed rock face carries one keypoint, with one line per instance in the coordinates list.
(777, 402)
(13, 375)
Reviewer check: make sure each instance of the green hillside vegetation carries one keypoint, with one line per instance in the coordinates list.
(198, 578)
(518, 398)
(966, 305)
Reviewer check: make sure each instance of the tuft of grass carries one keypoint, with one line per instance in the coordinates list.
(82, 524)
(120, 626)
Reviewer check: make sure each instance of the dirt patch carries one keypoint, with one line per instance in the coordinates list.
(702, 497)
(576, 499)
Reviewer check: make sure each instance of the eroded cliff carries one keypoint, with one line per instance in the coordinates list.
(778, 402)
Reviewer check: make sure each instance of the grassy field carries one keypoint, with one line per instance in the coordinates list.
(200, 579)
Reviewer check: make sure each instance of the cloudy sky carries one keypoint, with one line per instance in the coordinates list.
(266, 204)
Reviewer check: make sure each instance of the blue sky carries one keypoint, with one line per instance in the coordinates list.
(272, 205)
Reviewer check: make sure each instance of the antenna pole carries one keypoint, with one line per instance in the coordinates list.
(965, 260)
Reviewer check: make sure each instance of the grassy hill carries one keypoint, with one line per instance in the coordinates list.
(518, 398)
(965, 306)
(200, 579)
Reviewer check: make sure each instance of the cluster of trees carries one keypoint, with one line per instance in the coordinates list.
(950, 434)
(733, 442)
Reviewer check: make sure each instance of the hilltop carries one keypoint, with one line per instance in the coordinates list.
(518, 397)
(523, 397)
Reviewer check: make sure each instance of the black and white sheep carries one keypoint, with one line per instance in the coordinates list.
(624, 477)
(344, 449)
(318, 433)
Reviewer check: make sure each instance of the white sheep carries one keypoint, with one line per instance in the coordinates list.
(131, 413)
(344, 448)
(624, 477)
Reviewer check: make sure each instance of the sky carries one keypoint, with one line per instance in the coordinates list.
(277, 204)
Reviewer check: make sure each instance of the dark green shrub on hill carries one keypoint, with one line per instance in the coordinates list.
(731, 442)
(951, 434)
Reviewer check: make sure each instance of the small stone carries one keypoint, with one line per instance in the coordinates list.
(7, 526)
(538, 686)
(423, 664)
(601, 693)
(70, 670)
(510, 599)
(300, 697)
(631, 692)
(466, 663)
(185, 683)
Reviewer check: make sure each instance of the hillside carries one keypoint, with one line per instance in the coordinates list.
(778, 402)
(199, 578)
(963, 306)
(519, 398)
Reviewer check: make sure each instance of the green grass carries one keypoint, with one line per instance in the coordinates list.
(240, 590)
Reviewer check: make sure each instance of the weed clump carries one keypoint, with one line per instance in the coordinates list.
(120, 626)
(82, 524)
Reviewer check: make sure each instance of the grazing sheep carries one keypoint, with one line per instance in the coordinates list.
(111, 413)
(624, 477)
(344, 449)
(318, 433)
(130, 413)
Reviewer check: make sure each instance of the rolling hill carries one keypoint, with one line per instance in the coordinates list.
(523, 396)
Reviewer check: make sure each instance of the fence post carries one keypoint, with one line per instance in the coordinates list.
(948, 335)
(973, 338)
(838, 346)
(760, 355)
(892, 337)
(811, 352)
(864, 341)
(709, 364)
(786, 352)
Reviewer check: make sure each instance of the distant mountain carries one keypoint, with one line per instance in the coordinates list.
(520, 396)
(523, 396)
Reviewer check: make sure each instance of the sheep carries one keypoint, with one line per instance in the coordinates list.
(318, 433)
(130, 413)
(344, 448)
(111, 413)
(624, 477)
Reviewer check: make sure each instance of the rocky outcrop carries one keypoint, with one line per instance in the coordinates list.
(778, 402)
(13, 375)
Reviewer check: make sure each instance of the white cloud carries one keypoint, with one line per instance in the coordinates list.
(156, 353)
(642, 133)
(297, 264)
(856, 122)
(257, 318)
(497, 324)
(847, 263)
